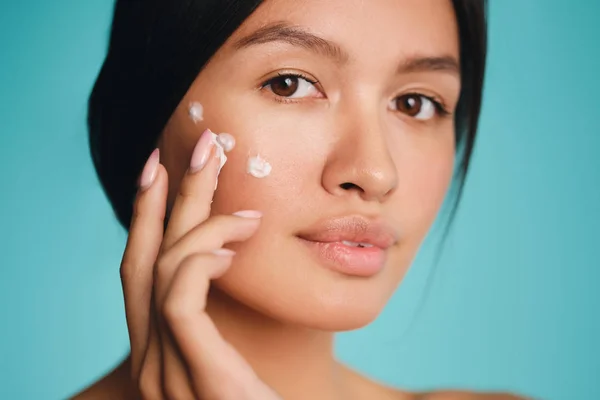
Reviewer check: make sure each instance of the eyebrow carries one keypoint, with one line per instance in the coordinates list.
(283, 32)
(295, 36)
(413, 64)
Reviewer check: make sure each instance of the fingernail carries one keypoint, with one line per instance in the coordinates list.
(224, 252)
(201, 151)
(248, 214)
(149, 172)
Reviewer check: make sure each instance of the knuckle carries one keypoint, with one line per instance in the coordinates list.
(172, 313)
(175, 313)
(144, 210)
(186, 191)
(126, 269)
(191, 259)
(137, 211)
(193, 264)
(175, 309)
(143, 217)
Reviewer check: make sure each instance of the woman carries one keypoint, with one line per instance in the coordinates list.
(346, 117)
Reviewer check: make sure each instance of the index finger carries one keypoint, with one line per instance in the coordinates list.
(193, 202)
(137, 265)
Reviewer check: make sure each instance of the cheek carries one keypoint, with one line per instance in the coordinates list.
(425, 177)
(293, 173)
(294, 151)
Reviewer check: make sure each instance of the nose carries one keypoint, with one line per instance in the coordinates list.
(360, 163)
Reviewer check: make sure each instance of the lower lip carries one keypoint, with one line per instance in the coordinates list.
(349, 260)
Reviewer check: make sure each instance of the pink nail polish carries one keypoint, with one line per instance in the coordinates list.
(201, 151)
(149, 172)
(248, 214)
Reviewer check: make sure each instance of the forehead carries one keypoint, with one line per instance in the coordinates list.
(368, 29)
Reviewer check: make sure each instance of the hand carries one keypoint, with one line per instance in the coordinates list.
(176, 350)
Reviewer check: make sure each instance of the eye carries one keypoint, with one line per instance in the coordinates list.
(418, 106)
(291, 86)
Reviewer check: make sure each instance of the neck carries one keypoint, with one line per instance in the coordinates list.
(297, 362)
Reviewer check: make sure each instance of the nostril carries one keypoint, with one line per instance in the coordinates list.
(349, 186)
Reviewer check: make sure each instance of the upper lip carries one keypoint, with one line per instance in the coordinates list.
(357, 229)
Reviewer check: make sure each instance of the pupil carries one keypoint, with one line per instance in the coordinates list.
(410, 105)
(285, 86)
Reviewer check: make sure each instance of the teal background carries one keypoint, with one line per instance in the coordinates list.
(513, 304)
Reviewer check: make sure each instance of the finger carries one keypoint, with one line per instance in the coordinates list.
(149, 381)
(175, 374)
(213, 364)
(143, 244)
(193, 202)
(192, 206)
(212, 234)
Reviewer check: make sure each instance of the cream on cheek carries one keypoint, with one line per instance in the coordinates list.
(256, 166)
(196, 112)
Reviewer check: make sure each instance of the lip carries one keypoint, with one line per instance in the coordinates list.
(326, 241)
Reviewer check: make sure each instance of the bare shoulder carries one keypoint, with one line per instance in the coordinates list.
(465, 395)
(367, 388)
(363, 387)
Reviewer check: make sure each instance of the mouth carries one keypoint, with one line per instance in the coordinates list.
(355, 244)
(352, 246)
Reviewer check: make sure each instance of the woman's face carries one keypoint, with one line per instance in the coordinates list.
(352, 103)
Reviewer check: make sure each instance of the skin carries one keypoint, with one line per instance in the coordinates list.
(272, 305)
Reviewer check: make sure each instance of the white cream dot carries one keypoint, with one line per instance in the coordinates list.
(196, 112)
(227, 141)
(258, 167)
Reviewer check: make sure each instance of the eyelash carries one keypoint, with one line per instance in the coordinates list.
(439, 105)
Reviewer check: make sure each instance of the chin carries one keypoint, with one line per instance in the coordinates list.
(316, 314)
(293, 289)
(341, 318)
(347, 305)
(325, 304)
